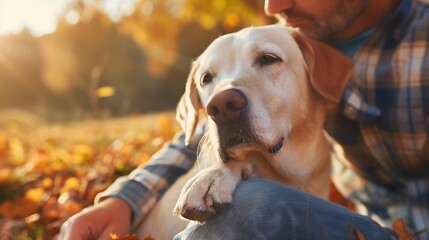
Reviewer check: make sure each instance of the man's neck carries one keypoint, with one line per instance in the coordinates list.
(374, 13)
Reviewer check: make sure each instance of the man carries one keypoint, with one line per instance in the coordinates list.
(382, 124)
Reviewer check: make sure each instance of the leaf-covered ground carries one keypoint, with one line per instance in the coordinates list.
(50, 172)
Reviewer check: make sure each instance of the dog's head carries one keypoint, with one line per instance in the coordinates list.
(260, 85)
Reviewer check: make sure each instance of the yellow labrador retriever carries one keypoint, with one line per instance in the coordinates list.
(264, 91)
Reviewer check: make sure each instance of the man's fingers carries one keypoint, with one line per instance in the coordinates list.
(71, 230)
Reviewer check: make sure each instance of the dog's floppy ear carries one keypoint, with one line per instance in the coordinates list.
(188, 106)
(329, 70)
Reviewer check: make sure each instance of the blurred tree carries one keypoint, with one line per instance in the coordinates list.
(156, 25)
(137, 62)
(20, 76)
(232, 14)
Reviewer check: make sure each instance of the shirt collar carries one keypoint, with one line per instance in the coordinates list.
(399, 18)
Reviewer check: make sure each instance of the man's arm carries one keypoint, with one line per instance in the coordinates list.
(144, 186)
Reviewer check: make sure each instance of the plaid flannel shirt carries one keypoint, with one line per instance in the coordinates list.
(382, 125)
(383, 121)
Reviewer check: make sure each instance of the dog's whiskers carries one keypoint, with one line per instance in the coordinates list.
(204, 152)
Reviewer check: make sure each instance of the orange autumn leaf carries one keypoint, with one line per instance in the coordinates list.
(47, 183)
(23, 206)
(82, 153)
(72, 183)
(114, 236)
(34, 194)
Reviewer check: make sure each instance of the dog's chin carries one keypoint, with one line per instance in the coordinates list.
(236, 150)
(238, 141)
(246, 148)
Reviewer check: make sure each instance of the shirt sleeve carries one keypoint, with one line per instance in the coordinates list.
(145, 185)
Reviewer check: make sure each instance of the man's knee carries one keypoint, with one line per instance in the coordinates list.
(263, 209)
(259, 211)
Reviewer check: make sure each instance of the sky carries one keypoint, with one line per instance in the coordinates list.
(40, 16)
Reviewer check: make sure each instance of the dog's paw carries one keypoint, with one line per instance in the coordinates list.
(207, 193)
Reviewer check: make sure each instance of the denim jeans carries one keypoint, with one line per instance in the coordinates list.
(263, 209)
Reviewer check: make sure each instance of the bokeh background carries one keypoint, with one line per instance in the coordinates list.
(71, 60)
(87, 94)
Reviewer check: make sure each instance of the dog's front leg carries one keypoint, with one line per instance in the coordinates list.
(211, 190)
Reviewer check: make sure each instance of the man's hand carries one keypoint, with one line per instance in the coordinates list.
(112, 215)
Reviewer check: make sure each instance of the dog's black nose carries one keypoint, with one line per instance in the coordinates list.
(226, 106)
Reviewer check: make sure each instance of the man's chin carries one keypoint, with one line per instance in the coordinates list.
(316, 33)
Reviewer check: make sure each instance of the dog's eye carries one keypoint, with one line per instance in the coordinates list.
(206, 79)
(267, 59)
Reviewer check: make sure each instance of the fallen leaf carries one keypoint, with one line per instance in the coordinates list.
(126, 237)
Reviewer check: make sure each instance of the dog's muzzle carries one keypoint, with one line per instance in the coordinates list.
(228, 109)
